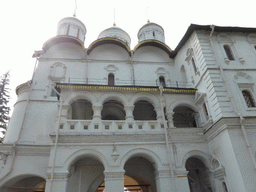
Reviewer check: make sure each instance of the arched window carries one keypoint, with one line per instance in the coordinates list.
(162, 81)
(198, 177)
(81, 109)
(111, 79)
(143, 110)
(113, 110)
(229, 53)
(184, 117)
(248, 98)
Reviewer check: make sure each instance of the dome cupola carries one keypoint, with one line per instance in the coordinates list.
(71, 26)
(151, 31)
(116, 33)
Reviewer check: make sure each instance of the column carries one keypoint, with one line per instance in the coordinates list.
(114, 181)
(97, 113)
(181, 180)
(169, 115)
(129, 112)
(58, 184)
(159, 114)
(164, 182)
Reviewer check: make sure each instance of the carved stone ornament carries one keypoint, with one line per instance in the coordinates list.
(3, 158)
(189, 54)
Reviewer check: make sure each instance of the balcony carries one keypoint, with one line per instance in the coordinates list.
(88, 127)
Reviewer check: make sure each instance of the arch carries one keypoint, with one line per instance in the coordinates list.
(113, 110)
(186, 103)
(81, 109)
(198, 154)
(142, 152)
(80, 95)
(147, 97)
(85, 153)
(144, 110)
(114, 96)
(16, 181)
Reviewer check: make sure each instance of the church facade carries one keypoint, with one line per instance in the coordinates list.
(109, 118)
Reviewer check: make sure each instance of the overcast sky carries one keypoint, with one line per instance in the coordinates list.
(27, 24)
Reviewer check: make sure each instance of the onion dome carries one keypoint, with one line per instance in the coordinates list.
(151, 31)
(116, 33)
(71, 26)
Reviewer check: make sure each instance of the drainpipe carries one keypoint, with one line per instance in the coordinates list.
(233, 101)
(169, 149)
(56, 138)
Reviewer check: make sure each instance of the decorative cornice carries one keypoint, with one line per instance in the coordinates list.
(125, 88)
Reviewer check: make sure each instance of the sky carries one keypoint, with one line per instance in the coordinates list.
(27, 24)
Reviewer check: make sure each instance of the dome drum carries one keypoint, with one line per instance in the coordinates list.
(71, 26)
(116, 33)
(151, 31)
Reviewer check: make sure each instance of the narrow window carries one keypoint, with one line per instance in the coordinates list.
(255, 47)
(162, 81)
(68, 30)
(111, 79)
(194, 64)
(248, 98)
(229, 52)
(205, 110)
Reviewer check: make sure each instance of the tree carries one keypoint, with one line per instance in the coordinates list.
(4, 100)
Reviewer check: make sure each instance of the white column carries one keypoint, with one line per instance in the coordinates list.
(114, 181)
(182, 180)
(164, 182)
(169, 115)
(97, 112)
(159, 114)
(129, 112)
(58, 184)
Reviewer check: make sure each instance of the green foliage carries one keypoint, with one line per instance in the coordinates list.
(4, 100)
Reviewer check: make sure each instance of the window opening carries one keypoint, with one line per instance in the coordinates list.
(194, 64)
(184, 117)
(143, 110)
(229, 52)
(111, 79)
(198, 176)
(162, 81)
(205, 110)
(81, 109)
(113, 110)
(248, 99)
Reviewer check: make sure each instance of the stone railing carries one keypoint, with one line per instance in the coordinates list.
(111, 126)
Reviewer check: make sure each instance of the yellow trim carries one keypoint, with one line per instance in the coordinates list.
(107, 39)
(152, 41)
(146, 89)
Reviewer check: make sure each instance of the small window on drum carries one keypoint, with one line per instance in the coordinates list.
(248, 99)
(111, 79)
(162, 81)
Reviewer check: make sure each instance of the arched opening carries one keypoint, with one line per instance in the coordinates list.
(86, 174)
(81, 109)
(113, 110)
(111, 79)
(143, 110)
(229, 53)
(139, 174)
(162, 81)
(248, 98)
(30, 184)
(198, 176)
(184, 117)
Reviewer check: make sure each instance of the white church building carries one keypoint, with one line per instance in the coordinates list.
(148, 119)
